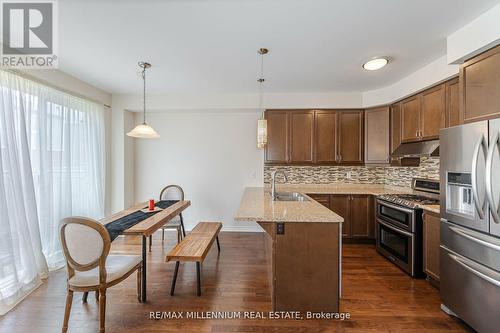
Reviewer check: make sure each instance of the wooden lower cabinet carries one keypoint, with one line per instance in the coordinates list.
(323, 199)
(358, 211)
(359, 216)
(305, 260)
(431, 244)
(339, 203)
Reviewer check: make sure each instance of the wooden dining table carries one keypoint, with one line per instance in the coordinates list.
(146, 228)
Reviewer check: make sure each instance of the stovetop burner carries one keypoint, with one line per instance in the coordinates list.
(409, 200)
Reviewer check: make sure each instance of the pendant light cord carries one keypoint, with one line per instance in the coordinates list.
(261, 81)
(144, 95)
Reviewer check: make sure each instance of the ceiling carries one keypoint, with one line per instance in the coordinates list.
(205, 46)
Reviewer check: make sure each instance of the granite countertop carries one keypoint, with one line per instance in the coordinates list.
(257, 205)
(341, 188)
(431, 208)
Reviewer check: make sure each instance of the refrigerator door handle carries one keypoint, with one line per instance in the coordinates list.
(464, 234)
(475, 271)
(480, 145)
(488, 174)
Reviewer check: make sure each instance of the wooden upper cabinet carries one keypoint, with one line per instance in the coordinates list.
(432, 116)
(410, 119)
(277, 148)
(326, 137)
(452, 103)
(350, 145)
(395, 126)
(480, 87)
(377, 135)
(302, 136)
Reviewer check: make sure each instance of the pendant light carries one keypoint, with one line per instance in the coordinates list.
(144, 131)
(262, 122)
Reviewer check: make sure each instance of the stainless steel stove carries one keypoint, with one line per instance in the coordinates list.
(409, 200)
(399, 225)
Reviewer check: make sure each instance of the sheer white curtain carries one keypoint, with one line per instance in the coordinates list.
(22, 264)
(68, 161)
(61, 141)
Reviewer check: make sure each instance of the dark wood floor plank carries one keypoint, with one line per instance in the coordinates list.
(379, 297)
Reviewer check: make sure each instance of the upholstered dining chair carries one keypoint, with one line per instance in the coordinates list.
(173, 192)
(86, 244)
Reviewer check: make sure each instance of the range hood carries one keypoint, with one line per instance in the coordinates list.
(418, 149)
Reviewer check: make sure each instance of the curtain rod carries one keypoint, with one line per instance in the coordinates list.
(37, 80)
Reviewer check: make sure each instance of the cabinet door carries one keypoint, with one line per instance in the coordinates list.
(359, 216)
(277, 149)
(326, 137)
(410, 119)
(323, 199)
(452, 103)
(351, 137)
(431, 245)
(377, 135)
(432, 116)
(395, 118)
(302, 136)
(339, 203)
(480, 82)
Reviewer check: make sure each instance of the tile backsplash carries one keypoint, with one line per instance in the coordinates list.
(396, 176)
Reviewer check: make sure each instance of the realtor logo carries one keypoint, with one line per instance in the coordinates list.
(28, 34)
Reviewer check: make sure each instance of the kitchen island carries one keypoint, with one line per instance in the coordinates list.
(303, 244)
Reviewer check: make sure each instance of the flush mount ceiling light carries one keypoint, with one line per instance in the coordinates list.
(262, 122)
(143, 131)
(375, 63)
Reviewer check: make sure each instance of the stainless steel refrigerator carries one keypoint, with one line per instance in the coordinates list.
(470, 223)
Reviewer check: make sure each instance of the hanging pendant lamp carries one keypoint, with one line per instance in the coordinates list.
(262, 122)
(144, 131)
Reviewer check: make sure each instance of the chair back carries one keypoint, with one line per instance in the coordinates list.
(86, 244)
(172, 192)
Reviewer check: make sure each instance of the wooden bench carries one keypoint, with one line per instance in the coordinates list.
(194, 248)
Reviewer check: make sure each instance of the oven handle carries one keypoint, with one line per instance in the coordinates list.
(474, 271)
(385, 203)
(408, 234)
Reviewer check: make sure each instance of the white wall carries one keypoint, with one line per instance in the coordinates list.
(476, 37)
(212, 155)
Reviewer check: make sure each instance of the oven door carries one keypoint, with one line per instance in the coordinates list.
(397, 245)
(402, 217)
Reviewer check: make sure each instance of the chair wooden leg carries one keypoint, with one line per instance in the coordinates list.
(102, 310)
(67, 311)
(85, 295)
(150, 242)
(139, 273)
(97, 295)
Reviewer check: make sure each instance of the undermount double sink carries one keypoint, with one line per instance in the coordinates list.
(290, 196)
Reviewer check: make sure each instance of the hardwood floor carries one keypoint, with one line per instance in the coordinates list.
(378, 296)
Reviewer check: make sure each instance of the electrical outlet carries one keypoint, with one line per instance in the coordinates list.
(280, 228)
